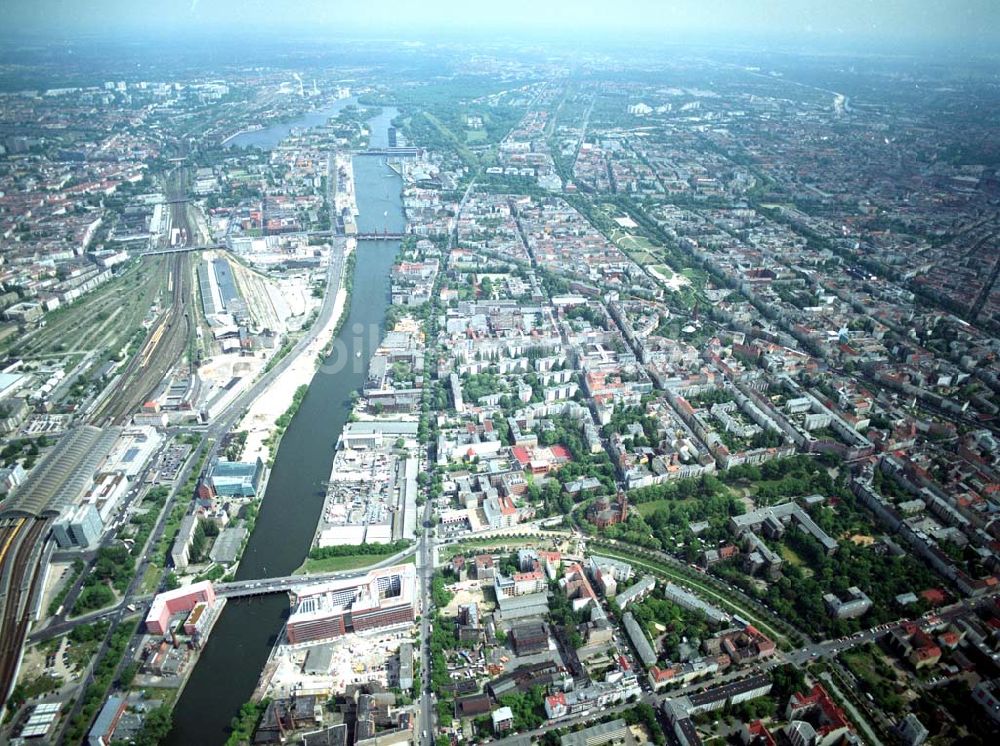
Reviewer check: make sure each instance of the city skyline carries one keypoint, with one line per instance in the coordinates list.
(963, 27)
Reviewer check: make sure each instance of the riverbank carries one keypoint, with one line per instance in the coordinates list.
(344, 196)
(244, 131)
(146, 681)
(280, 126)
(243, 640)
(260, 420)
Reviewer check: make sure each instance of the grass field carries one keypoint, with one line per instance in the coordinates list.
(628, 242)
(336, 564)
(698, 277)
(474, 136)
(647, 509)
(80, 653)
(464, 153)
(151, 579)
(642, 258)
(876, 676)
(639, 248)
(166, 695)
(790, 556)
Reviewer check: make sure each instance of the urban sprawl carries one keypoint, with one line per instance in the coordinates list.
(680, 423)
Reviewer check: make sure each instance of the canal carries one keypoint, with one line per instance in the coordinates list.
(241, 641)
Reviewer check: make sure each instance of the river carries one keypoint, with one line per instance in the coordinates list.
(269, 137)
(379, 126)
(241, 641)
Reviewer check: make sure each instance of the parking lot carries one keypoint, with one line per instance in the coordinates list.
(170, 462)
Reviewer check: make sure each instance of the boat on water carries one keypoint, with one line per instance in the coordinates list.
(357, 354)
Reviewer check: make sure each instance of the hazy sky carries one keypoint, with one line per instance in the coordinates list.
(958, 22)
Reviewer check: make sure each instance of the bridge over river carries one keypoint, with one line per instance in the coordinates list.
(60, 625)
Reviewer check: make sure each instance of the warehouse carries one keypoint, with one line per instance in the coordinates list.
(529, 638)
(534, 605)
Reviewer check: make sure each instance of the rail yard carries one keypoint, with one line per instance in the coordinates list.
(163, 348)
(156, 282)
(169, 335)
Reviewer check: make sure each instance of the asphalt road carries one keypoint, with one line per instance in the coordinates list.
(425, 564)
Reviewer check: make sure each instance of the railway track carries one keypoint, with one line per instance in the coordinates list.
(8, 533)
(163, 347)
(19, 566)
(167, 340)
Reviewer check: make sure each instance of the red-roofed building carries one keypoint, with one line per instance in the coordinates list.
(660, 677)
(555, 706)
(484, 567)
(577, 587)
(179, 600)
(949, 639)
(541, 460)
(742, 646)
(756, 734)
(550, 559)
(500, 512)
(926, 655)
(934, 596)
(728, 552)
(603, 512)
(521, 455)
(533, 577)
(916, 645)
(821, 712)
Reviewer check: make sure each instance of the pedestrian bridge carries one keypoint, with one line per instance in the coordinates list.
(182, 249)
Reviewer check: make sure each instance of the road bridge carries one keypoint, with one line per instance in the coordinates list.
(364, 236)
(265, 586)
(171, 201)
(376, 236)
(402, 152)
(236, 589)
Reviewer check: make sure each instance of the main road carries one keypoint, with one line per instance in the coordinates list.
(425, 564)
